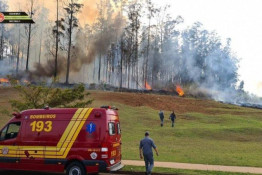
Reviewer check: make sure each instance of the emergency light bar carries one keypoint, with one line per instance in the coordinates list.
(109, 107)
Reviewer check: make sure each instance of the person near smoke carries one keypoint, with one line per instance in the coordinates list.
(161, 116)
(172, 117)
(145, 149)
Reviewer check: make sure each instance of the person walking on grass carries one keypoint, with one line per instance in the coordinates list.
(145, 150)
(161, 116)
(172, 117)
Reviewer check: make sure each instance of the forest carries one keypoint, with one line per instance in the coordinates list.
(133, 44)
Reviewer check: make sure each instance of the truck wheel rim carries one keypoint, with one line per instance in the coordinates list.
(75, 171)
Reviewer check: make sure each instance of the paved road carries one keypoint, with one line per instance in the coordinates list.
(189, 166)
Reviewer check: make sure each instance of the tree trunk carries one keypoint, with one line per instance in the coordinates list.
(22, 57)
(1, 43)
(18, 53)
(94, 71)
(121, 66)
(121, 53)
(147, 52)
(99, 67)
(69, 46)
(40, 46)
(56, 50)
(128, 74)
(29, 40)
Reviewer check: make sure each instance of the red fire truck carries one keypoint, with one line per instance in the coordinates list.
(78, 141)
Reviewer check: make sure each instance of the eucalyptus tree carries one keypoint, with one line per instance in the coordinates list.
(28, 29)
(72, 7)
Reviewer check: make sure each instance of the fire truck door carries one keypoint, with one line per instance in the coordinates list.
(31, 148)
(8, 145)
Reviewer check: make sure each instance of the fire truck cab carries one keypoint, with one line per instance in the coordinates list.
(78, 141)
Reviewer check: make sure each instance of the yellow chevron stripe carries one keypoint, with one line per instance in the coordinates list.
(69, 127)
(72, 134)
(64, 145)
(53, 150)
(40, 148)
(75, 136)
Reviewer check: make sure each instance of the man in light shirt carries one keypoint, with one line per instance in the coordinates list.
(145, 150)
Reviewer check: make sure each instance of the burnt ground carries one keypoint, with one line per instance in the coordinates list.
(165, 102)
(168, 103)
(181, 105)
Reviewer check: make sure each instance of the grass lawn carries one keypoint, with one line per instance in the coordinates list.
(217, 139)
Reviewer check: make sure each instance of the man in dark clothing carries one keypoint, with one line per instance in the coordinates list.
(161, 116)
(145, 150)
(173, 118)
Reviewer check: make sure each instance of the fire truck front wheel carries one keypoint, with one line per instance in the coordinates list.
(75, 168)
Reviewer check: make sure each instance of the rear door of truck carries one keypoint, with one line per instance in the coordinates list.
(115, 139)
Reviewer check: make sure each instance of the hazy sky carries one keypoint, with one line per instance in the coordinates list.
(240, 20)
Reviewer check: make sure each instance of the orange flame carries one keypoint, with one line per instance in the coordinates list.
(148, 87)
(4, 80)
(180, 91)
(26, 82)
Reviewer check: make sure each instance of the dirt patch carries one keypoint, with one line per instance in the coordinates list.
(181, 105)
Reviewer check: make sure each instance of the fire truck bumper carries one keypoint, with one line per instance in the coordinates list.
(115, 167)
(102, 165)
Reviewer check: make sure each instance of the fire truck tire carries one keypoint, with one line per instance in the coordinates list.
(75, 168)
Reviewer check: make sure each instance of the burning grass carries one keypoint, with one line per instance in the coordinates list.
(4, 80)
(180, 91)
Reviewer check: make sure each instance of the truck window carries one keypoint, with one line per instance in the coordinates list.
(10, 131)
(112, 129)
(3, 133)
(118, 128)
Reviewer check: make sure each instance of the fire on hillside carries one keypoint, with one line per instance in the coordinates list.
(7, 82)
(148, 87)
(180, 91)
(176, 91)
(4, 80)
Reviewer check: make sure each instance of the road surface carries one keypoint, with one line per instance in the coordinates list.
(188, 166)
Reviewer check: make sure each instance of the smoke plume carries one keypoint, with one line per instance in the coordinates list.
(83, 52)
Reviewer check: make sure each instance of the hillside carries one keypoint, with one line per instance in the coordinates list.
(206, 132)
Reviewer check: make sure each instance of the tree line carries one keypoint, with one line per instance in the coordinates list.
(130, 44)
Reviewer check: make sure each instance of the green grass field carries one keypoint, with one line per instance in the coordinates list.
(218, 139)
(219, 134)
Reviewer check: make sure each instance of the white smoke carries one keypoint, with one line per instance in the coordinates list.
(5, 67)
